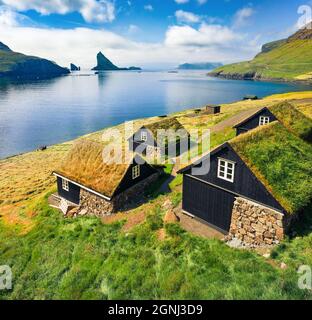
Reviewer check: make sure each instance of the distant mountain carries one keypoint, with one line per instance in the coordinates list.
(199, 66)
(104, 64)
(13, 64)
(134, 69)
(288, 60)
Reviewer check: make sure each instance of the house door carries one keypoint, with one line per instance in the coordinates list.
(208, 203)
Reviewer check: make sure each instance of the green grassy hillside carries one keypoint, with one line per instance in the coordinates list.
(17, 64)
(86, 259)
(286, 60)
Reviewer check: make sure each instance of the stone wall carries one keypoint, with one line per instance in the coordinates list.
(95, 205)
(254, 225)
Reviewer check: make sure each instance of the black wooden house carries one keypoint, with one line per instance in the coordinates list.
(163, 138)
(84, 180)
(211, 197)
(244, 168)
(260, 118)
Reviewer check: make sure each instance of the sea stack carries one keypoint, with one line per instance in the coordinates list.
(104, 64)
(73, 67)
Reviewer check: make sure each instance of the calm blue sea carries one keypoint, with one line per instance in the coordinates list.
(51, 111)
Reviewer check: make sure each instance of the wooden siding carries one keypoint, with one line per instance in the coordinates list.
(73, 195)
(127, 182)
(253, 122)
(245, 182)
(208, 203)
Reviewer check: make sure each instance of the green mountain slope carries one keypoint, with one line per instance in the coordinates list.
(13, 64)
(289, 59)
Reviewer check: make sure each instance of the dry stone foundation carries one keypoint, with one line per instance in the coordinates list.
(254, 225)
(95, 205)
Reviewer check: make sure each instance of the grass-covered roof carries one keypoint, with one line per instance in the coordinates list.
(281, 161)
(293, 120)
(166, 124)
(84, 164)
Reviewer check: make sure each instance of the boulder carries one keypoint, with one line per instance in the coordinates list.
(171, 217)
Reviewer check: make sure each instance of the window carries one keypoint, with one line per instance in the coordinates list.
(65, 185)
(264, 120)
(135, 172)
(226, 170)
(144, 136)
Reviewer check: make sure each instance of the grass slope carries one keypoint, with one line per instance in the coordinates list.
(293, 120)
(85, 259)
(290, 61)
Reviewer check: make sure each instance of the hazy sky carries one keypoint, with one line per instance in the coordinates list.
(148, 33)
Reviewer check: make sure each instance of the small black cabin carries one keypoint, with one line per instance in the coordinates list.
(160, 138)
(260, 118)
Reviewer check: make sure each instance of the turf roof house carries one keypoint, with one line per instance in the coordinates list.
(147, 141)
(257, 184)
(283, 112)
(97, 188)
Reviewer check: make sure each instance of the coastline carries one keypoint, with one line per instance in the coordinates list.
(242, 77)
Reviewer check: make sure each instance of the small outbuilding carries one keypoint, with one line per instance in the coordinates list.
(254, 186)
(86, 181)
(251, 97)
(212, 109)
(162, 138)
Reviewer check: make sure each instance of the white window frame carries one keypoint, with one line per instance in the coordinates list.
(136, 172)
(143, 136)
(224, 170)
(264, 120)
(65, 184)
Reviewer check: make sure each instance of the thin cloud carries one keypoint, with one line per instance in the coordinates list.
(187, 17)
(181, 1)
(242, 16)
(91, 10)
(149, 7)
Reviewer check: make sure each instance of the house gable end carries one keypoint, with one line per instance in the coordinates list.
(137, 137)
(127, 181)
(254, 121)
(245, 182)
